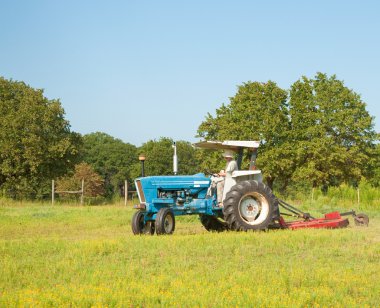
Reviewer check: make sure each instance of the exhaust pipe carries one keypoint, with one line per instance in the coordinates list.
(175, 159)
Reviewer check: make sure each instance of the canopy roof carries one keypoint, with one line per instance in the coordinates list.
(233, 145)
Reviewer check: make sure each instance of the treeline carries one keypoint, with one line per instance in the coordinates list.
(106, 163)
(37, 146)
(317, 134)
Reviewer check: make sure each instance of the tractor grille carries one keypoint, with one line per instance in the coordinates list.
(140, 191)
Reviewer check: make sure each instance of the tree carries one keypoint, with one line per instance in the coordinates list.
(372, 171)
(36, 144)
(111, 158)
(331, 131)
(258, 111)
(159, 158)
(94, 184)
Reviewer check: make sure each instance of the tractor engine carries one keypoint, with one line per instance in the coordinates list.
(180, 196)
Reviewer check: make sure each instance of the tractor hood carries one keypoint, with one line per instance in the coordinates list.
(148, 188)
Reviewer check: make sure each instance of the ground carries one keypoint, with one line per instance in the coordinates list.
(87, 256)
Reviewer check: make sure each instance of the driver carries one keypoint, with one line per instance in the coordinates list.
(231, 166)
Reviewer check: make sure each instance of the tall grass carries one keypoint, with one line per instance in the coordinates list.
(364, 197)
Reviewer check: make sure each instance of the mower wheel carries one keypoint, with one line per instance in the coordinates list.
(361, 219)
(141, 227)
(165, 222)
(250, 205)
(212, 223)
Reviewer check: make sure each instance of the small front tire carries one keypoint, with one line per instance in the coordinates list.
(165, 221)
(139, 226)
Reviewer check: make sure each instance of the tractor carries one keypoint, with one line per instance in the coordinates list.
(248, 204)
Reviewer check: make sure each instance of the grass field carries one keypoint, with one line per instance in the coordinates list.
(87, 256)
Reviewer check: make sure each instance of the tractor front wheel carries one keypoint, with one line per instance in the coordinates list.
(165, 222)
(139, 226)
(250, 205)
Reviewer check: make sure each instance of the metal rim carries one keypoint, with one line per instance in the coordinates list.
(253, 208)
(168, 223)
(148, 227)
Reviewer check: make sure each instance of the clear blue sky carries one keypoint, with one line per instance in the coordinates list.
(138, 70)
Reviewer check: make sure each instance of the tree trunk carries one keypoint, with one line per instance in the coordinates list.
(270, 181)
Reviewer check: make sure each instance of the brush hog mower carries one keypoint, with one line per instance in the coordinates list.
(248, 204)
(330, 220)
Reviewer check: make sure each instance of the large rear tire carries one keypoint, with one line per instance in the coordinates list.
(250, 205)
(139, 226)
(212, 223)
(165, 222)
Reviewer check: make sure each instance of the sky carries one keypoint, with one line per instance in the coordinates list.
(141, 70)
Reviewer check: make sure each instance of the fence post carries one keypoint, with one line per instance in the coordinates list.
(358, 196)
(52, 192)
(81, 197)
(125, 192)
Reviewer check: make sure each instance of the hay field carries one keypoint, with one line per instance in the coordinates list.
(87, 257)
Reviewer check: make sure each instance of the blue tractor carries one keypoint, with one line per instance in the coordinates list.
(248, 204)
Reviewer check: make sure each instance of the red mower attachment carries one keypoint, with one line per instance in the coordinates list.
(331, 220)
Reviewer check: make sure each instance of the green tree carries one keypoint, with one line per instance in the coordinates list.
(159, 158)
(36, 144)
(111, 158)
(258, 111)
(372, 172)
(331, 131)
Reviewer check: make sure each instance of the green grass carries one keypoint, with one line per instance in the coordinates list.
(87, 256)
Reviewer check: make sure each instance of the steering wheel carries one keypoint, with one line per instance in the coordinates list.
(208, 172)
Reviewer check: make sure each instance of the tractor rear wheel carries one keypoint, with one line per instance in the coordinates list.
(165, 222)
(250, 205)
(212, 223)
(139, 226)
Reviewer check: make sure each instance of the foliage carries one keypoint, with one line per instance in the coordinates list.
(159, 158)
(258, 111)
(93, 183)
(88, 257)
(36, 144)
(331, 131)
(343, 197)
(210, 161)
(111, 158)
(321, 136)
(372, 172)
